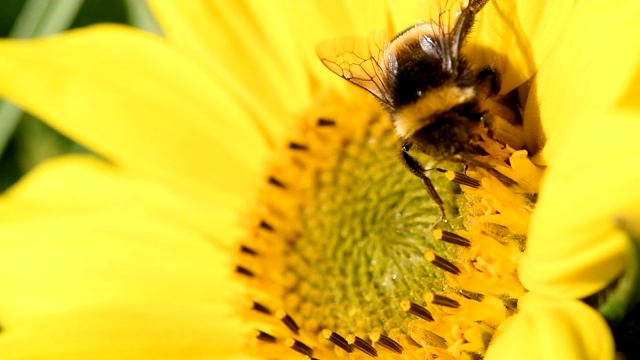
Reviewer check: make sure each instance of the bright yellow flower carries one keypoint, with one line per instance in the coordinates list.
(114, 259)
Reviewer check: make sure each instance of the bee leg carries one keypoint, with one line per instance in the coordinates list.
(489, 80)
(463, 26)
(416, 169)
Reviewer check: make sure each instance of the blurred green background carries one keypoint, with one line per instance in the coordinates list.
(25, 141)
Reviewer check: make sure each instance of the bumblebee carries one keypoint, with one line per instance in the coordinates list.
(435, 98)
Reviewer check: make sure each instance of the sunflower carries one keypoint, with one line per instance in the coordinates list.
(230, 159)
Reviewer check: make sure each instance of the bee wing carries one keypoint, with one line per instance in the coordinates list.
(360, 61)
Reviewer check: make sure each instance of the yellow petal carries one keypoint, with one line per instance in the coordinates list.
(552, 329)
(542, 22)
(75, 183)
(250, 47)
(331, 19)
(143, 331)
(631, 97)
(369, 15)
(574, 247)
(140, 103)
(52, 261)
(591, 65)
(499, 41)
(403, 14)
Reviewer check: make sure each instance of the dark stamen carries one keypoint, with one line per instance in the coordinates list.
(288, 321)
(388, 343)
(337, 340)
(430, 338)
(260, 308)
(532, 198)
(244, 271)
(470, 295)
(276, 182)
(265, 225)
(441, 262)
(504, 179)
(510, 303)
(440, 300)
(247, 250)
(462, 179)
(298, 146)
(326, 122)
(300, 347)
(263, 336)
(362, 345)
(417, 310)
(451, 238)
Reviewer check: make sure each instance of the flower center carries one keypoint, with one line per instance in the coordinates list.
(344, 259)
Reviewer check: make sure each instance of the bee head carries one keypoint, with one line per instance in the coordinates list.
(449, 133)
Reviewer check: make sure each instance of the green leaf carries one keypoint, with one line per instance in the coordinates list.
(622, 296)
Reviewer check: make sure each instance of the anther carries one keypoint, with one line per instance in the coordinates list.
(326, 122)
(426, 337)
(260, 308)
(451, 238)
(276, 182)
(263, 336)
(244, 271)
(265, 225)
(386, 342)
(298, 146)
(288, 321)
(299, 346)
(247, 250)
(462, 179)
(471, 295)
(415, 309)
(362, 345)
(504, 179)
(510, 303)
(441, 300)
(441, 262)
(337, 339)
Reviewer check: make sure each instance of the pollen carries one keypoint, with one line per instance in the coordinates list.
(344, 255)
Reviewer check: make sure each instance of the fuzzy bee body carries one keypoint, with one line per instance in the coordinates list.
(435, 98)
